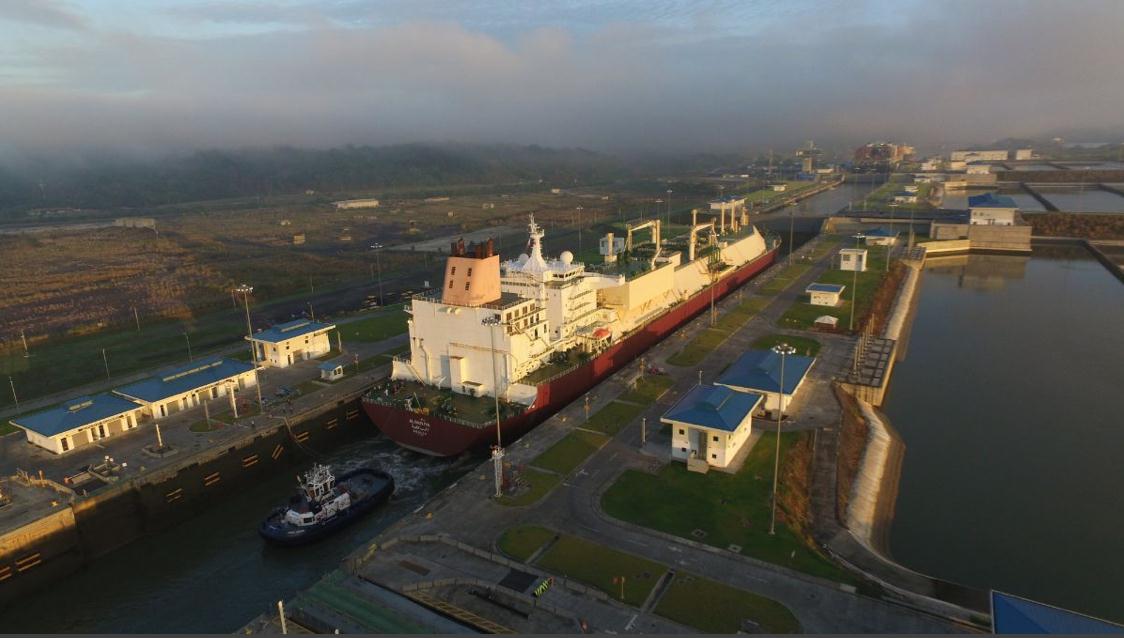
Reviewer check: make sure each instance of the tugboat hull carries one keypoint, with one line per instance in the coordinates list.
(275, 530)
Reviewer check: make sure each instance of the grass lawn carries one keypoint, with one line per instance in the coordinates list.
(523, 541)
(202, 426)
(784, 278)
(538, 484)
(825, 246)
(730, 509)
(597, 566)
(804, 345)
(611, 418)
(379, 325)
(569, 452)
(7, 428)
(802, 315)
(710, 338)
(715, 608)
(648, 389)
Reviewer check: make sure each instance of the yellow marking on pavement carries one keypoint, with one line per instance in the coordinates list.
(459, 613)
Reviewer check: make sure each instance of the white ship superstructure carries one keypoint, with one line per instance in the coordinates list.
(523, 314)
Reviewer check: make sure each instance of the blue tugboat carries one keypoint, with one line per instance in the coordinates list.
(324, 504)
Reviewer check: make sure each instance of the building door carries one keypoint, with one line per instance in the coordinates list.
(65, 441)
(101, 430)
(698, 444)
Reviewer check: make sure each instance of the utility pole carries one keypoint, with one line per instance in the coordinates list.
(311, 312)
(23, 338)
(784, 350)
(791, 229)
(105, 360)
(579, 231)
(669, 192)
(136, 317)
(188, 338)
(378, 265)
(643, 431)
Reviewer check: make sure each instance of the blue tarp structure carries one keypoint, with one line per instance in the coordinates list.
(1014, 615)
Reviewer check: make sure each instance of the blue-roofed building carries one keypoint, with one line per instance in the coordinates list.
(79, 422)
(286, 343)
(1016, 615)
(990, 209)
(188, 385)
(881, 237)
(825, 294)
(333, 370)
(710, 425)
(759, 371)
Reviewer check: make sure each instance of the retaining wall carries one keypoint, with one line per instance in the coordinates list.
(65, 539)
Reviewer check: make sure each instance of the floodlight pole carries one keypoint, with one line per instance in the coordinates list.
(855, 285)
(497, 449)
(669, 192)
(784, 350)
(246, 289)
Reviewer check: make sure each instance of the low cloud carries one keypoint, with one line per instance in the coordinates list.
(941, 74)
(44, 13)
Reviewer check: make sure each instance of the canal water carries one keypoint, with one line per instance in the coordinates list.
(213, 573)
(1009, 401)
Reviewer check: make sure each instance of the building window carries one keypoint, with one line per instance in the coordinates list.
(715, 439)
(450, 283)
(65, 443)
(713, 456)
(469, 273)
(453, 271)
(681, 431)
(466, 285)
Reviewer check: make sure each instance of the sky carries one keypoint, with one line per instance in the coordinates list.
(643, 75)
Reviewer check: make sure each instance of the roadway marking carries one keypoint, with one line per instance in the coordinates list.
(628, 627)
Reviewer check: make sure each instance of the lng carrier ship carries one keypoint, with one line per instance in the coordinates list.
(539, 332)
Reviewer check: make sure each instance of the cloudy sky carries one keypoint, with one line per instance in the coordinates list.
(634, 74)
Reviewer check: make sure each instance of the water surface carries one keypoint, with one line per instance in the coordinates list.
(213, 573)
(1010, 401)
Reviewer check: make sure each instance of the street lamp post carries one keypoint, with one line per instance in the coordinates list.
(784, 350)
(855, 285)
(246, 289)
(497, 449)
(185, 336)
(669, 192)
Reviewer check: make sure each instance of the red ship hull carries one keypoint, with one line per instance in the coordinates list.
(441, 437)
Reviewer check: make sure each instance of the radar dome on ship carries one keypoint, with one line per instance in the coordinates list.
(566, 257)
(523, 257)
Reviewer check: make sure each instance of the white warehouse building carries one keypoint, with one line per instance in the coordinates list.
(186, 386)
(287, 343)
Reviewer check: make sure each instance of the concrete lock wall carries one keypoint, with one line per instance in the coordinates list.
(65, 539)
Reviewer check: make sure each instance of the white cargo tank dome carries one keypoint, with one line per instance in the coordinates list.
(566, 257)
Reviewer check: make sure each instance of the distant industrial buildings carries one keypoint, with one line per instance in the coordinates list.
(356, 203)
(882, 153)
